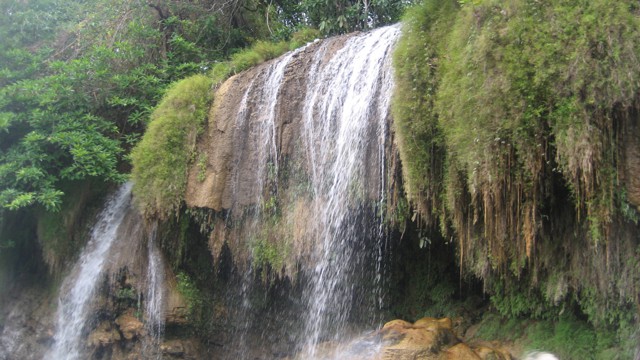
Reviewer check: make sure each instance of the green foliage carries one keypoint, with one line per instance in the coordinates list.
(260, 52)
(302, 37)
(515, 301)
(161, 159)
(192, 295)
(78, 80)
(495, 327)
(555, 337)
(509, 118)
(265, 253)
(347, 15)
(567, 337)
(418, 136)
(202, 167)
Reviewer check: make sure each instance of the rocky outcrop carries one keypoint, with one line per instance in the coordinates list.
(230, 147)
(26, 324)
(188, 349)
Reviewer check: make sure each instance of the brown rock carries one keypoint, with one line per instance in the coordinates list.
(421, 340)
(172, 347)
(460, 351)
(130, 326)
(103, 335)
(492, 351)
(429, 322)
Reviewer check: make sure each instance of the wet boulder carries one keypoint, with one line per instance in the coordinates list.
(431, 339)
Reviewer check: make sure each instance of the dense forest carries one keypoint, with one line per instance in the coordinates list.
(516, 124)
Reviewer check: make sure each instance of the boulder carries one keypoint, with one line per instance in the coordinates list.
(491, 351)
(423, 339)
(431, 339)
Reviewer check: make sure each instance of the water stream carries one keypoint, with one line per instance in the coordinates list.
(79, 287)
(154, 297)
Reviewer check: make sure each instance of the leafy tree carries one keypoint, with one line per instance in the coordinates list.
(78, 80)
(340, 16)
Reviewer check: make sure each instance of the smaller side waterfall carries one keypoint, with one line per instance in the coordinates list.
(154, 297)
(79, 287)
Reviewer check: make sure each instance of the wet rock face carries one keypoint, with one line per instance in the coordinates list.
(104, 335)
(130, 326)
(231, 145)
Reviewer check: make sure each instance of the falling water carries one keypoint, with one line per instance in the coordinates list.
(344, 120)
(154, 297)
(261, 118)
(79, 287)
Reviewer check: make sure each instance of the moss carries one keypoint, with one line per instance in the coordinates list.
(161, 159)
(419, 138)
(269, 255)
(303, 36)
(191, 293)
(568, 337)
(202, 167)
(258, 53)
(509, 118)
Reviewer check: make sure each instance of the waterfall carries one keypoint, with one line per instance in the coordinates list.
(345, 116)
(154, 297)
(79, 287)
(296, 154)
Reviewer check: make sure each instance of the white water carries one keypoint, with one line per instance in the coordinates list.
(154, 297)
(260, 117)
(347, 100)
(79, 287)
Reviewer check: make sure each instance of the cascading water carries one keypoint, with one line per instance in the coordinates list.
(79, 287)
(154, 297)
(346, 101)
